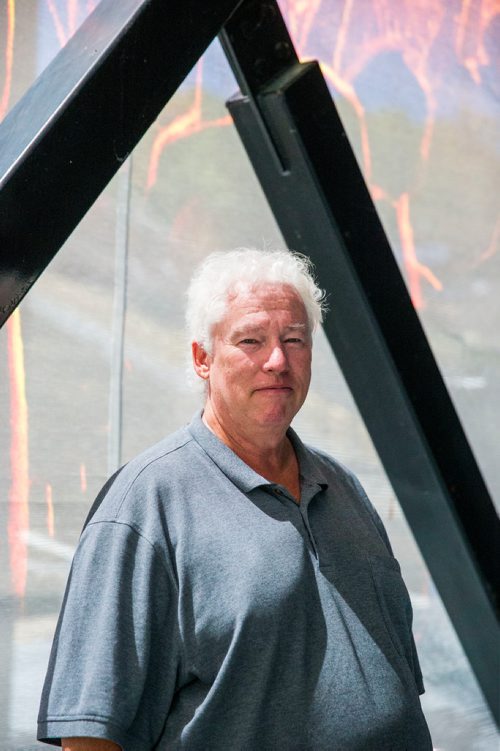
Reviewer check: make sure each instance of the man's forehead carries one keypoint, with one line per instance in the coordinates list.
(251, 314)
(254, 324)
(263, 298)
(252, 307)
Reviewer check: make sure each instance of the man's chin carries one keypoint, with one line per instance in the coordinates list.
(276, 419)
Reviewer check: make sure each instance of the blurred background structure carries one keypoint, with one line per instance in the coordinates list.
(418, 88)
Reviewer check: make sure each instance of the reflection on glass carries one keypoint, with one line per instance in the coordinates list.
(416, 89)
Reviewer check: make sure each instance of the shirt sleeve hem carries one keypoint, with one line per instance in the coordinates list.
(52, 731)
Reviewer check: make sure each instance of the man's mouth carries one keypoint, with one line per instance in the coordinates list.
(274, 388)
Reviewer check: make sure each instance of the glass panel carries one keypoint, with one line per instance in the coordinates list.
(189, 189)
(55, 355)
(190, 183)
(31, 35)
(417, 87)
(54, 384)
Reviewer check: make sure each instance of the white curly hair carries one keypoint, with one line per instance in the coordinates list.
(223, 273)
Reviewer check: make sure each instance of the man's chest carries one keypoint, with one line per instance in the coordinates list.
(250, 570)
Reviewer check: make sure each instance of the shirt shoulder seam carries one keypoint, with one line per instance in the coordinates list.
(140, 534)
(145, 467)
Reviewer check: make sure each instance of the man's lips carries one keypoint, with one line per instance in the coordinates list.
(275, 388)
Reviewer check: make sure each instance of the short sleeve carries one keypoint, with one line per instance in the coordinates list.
(114, 660)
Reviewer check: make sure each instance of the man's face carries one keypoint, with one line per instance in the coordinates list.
(260, 367)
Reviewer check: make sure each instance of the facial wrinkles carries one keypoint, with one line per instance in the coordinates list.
(260, 361)
(276, 298)
(276, 321)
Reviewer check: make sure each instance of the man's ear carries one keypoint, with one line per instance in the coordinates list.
(201, 360)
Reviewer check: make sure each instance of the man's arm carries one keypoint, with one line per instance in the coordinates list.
(89, 744)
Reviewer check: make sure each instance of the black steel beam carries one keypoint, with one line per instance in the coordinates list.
(301, 155)
(66, 138)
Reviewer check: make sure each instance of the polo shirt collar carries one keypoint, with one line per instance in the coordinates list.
(310, 468)
(240, 474)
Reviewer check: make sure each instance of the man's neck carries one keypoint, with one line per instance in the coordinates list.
(270, 453)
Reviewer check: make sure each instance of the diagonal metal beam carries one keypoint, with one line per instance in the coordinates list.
(300, 152)
(66, 138)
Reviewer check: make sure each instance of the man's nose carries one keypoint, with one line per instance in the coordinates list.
(277, 361)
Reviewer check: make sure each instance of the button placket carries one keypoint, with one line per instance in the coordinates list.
(305, 522)
(308, 495)
(296, 511)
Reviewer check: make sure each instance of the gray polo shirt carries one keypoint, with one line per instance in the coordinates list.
(205, 609)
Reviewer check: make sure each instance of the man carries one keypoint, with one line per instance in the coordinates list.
(233, 588)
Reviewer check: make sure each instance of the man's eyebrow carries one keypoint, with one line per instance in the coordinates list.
(243, 331)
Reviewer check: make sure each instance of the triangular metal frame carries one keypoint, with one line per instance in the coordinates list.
(72, 130)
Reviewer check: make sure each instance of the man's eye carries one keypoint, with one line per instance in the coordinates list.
(294, 340)
(248, 341)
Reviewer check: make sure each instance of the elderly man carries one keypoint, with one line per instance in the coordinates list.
(234, 588)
